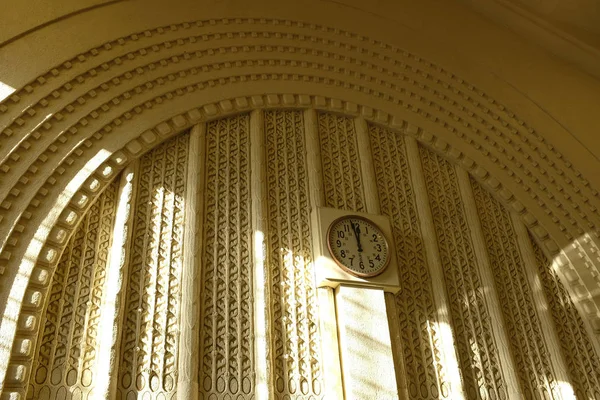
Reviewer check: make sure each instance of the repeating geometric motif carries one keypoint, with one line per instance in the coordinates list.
(527, 344)
(296, 343)
(340, 162)
(226, 346)
(148, 358)
(478, 354)
(421, 344)
(583, 363)
(68, 344)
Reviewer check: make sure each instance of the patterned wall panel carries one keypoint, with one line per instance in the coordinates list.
(478, 355)
(416, 309)
(340, 161)
(150, 331)
(296, 345)
(67, 353)
(582, 360)
(528, 347)
(226, 345)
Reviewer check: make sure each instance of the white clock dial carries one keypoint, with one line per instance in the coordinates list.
(358, 246)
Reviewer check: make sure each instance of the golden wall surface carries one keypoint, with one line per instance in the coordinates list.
(159, 162)
(506, 340)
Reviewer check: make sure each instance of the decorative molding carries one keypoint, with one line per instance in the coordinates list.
(492, 302)
(464, 105)
(227, 357)
(67, 354)
(582, 359)
(296, 344)
(15, 246)
(476, 347)
(534, 366)
(417, 314)
(189, 332)
(149, 347)
(340, 163)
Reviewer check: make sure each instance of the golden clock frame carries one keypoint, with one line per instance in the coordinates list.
(341, 265)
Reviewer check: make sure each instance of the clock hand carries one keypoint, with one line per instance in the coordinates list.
(356, 230)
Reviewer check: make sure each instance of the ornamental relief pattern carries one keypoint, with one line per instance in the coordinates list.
(67, 351)
(226, 328)
(341, 164)
(149, 346)
(415, 305)
(583, 363)
(296, 345)
(477, 351)
(149, 343)
(528, 347)
(459, 98)
(82, 96)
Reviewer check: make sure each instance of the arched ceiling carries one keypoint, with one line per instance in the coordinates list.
(569, 29)
(96, 83)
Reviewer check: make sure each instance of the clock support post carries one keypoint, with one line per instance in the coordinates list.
(365, 344)
(361, 311)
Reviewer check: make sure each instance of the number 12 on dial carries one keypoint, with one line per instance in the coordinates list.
(358, 246)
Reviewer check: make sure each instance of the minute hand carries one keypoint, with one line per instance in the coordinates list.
(357, 234)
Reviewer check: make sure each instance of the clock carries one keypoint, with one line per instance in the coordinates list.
(353, 248)
(358, 246)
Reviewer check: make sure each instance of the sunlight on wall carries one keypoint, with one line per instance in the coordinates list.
(5, 90)
(450, 362)
(11, 314)
(260, 316)
(114, 281)
(579, 264)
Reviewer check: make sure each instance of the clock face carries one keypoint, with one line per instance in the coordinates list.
(358, 246)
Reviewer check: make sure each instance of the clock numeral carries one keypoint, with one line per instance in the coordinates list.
(378, 258)
(340, 234)
(351, 261)
(371, 263)
(346, 228)
(378, 247)
(339, 243)
(374, 237)
(361, 265)
(343, 253)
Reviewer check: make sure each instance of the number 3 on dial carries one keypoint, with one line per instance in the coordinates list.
(358, 246)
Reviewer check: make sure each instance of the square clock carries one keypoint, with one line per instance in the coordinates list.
(355, 249)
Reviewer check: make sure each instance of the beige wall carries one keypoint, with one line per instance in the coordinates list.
(522, 121)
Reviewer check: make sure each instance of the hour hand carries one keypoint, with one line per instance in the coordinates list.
(356, 230)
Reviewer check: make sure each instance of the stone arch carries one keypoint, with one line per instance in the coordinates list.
(68, 213)
(95, 97)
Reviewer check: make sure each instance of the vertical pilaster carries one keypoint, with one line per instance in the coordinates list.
(508, 367)
(187, 379)
(325, 296)
(542, 308)
(113, 305)
(435, 269)
(258, 188)
(366, 165)
(371, 196)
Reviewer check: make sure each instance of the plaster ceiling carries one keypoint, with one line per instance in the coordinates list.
(567, 28)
